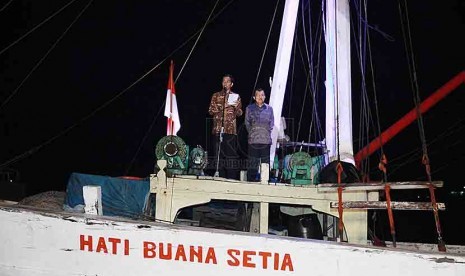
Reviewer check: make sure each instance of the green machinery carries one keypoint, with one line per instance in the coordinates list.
(176, 153)
(198, 161)
(178, 158)
(300, 168)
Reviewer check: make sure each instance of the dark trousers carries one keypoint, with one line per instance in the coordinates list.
(228, 160)
(258, 153)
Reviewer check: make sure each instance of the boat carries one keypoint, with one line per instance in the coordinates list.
(38, 241)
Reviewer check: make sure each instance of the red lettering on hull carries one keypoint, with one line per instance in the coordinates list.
(259, 259)
(102, 244)
(168, 251)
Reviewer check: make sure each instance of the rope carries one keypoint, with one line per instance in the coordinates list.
(375, 99)
(36, 27)
(46, 55)
(339, 170)
(292, 76)
(144, 138)
(387, 190)
(336, 90)
(6, 5)
(104, 105)
(416, 96)
(197, 40)
(264, 50)
(314, 76)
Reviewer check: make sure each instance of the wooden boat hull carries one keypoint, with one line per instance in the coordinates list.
(36, 242)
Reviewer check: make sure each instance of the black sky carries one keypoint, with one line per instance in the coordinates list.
(114, 43)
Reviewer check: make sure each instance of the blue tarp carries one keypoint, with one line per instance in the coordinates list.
(120, 197)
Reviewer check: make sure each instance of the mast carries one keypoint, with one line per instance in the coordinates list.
(339, 139)
(281, 68)
(338, 82)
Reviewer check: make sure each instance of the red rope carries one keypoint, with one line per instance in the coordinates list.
(434, 205)
(387, 189)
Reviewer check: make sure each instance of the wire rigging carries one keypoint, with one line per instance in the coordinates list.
(197, 40)
(375, 97)
(45, 55)
(104, 105)
(365, 112)
(416, 91)
(413, 75)
(161, 107)
(318, 134)
(264, 49)
(6, 5)
(36, 27)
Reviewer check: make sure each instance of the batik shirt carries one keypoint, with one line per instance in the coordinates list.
(230, 113)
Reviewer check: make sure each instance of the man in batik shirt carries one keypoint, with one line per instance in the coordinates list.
(225, 107)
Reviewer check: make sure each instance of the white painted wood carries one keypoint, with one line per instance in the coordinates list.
(47, 243)
(173, 194)
(243, 175)
(264, 173)
(338, 81)
(281, 69)
(255, 219)
(264, 213)
(92, 199)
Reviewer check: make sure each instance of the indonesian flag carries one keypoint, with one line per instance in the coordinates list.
(171, 107)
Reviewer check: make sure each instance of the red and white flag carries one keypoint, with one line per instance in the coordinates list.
(171, 107)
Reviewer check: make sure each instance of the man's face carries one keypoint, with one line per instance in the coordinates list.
(259, 97)
(227, 83)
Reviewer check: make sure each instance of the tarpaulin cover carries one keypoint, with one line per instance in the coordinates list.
(120, 197)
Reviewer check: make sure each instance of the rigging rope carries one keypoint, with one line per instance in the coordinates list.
(310, 78)
(6, 5)
(45, 56)
(416, 91)
(264, 49)
(36, 27)
(197, 40)
(319, 130)
(162, 105)
(292, 77)
(365, 112)
(375, 97)
(143, 139)
(104, 105)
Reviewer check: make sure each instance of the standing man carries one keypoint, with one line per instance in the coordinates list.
(225, 106)
(259, 121)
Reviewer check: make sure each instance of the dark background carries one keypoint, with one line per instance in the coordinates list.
(75, 112)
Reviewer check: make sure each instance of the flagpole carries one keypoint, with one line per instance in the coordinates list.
(171, 97)
(173, 123)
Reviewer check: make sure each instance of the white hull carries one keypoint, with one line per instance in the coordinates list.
(46, 243)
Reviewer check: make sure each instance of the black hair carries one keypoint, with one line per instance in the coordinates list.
(229, 76)
(258, 89)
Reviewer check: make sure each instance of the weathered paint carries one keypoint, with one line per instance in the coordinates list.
(46, 243)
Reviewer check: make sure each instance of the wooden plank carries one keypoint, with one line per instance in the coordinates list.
(395, 205)
(374, 186)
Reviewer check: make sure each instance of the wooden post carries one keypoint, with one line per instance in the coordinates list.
(92, 199)
(264, 173)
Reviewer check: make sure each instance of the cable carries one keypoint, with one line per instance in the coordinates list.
(6, 5)
(45, 56)
(36, 27)
(264, 50)
(197, 40)
(104, 105)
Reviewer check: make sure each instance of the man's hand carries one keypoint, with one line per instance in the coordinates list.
(233, 104)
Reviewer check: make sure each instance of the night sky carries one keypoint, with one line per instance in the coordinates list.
(75, 113)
